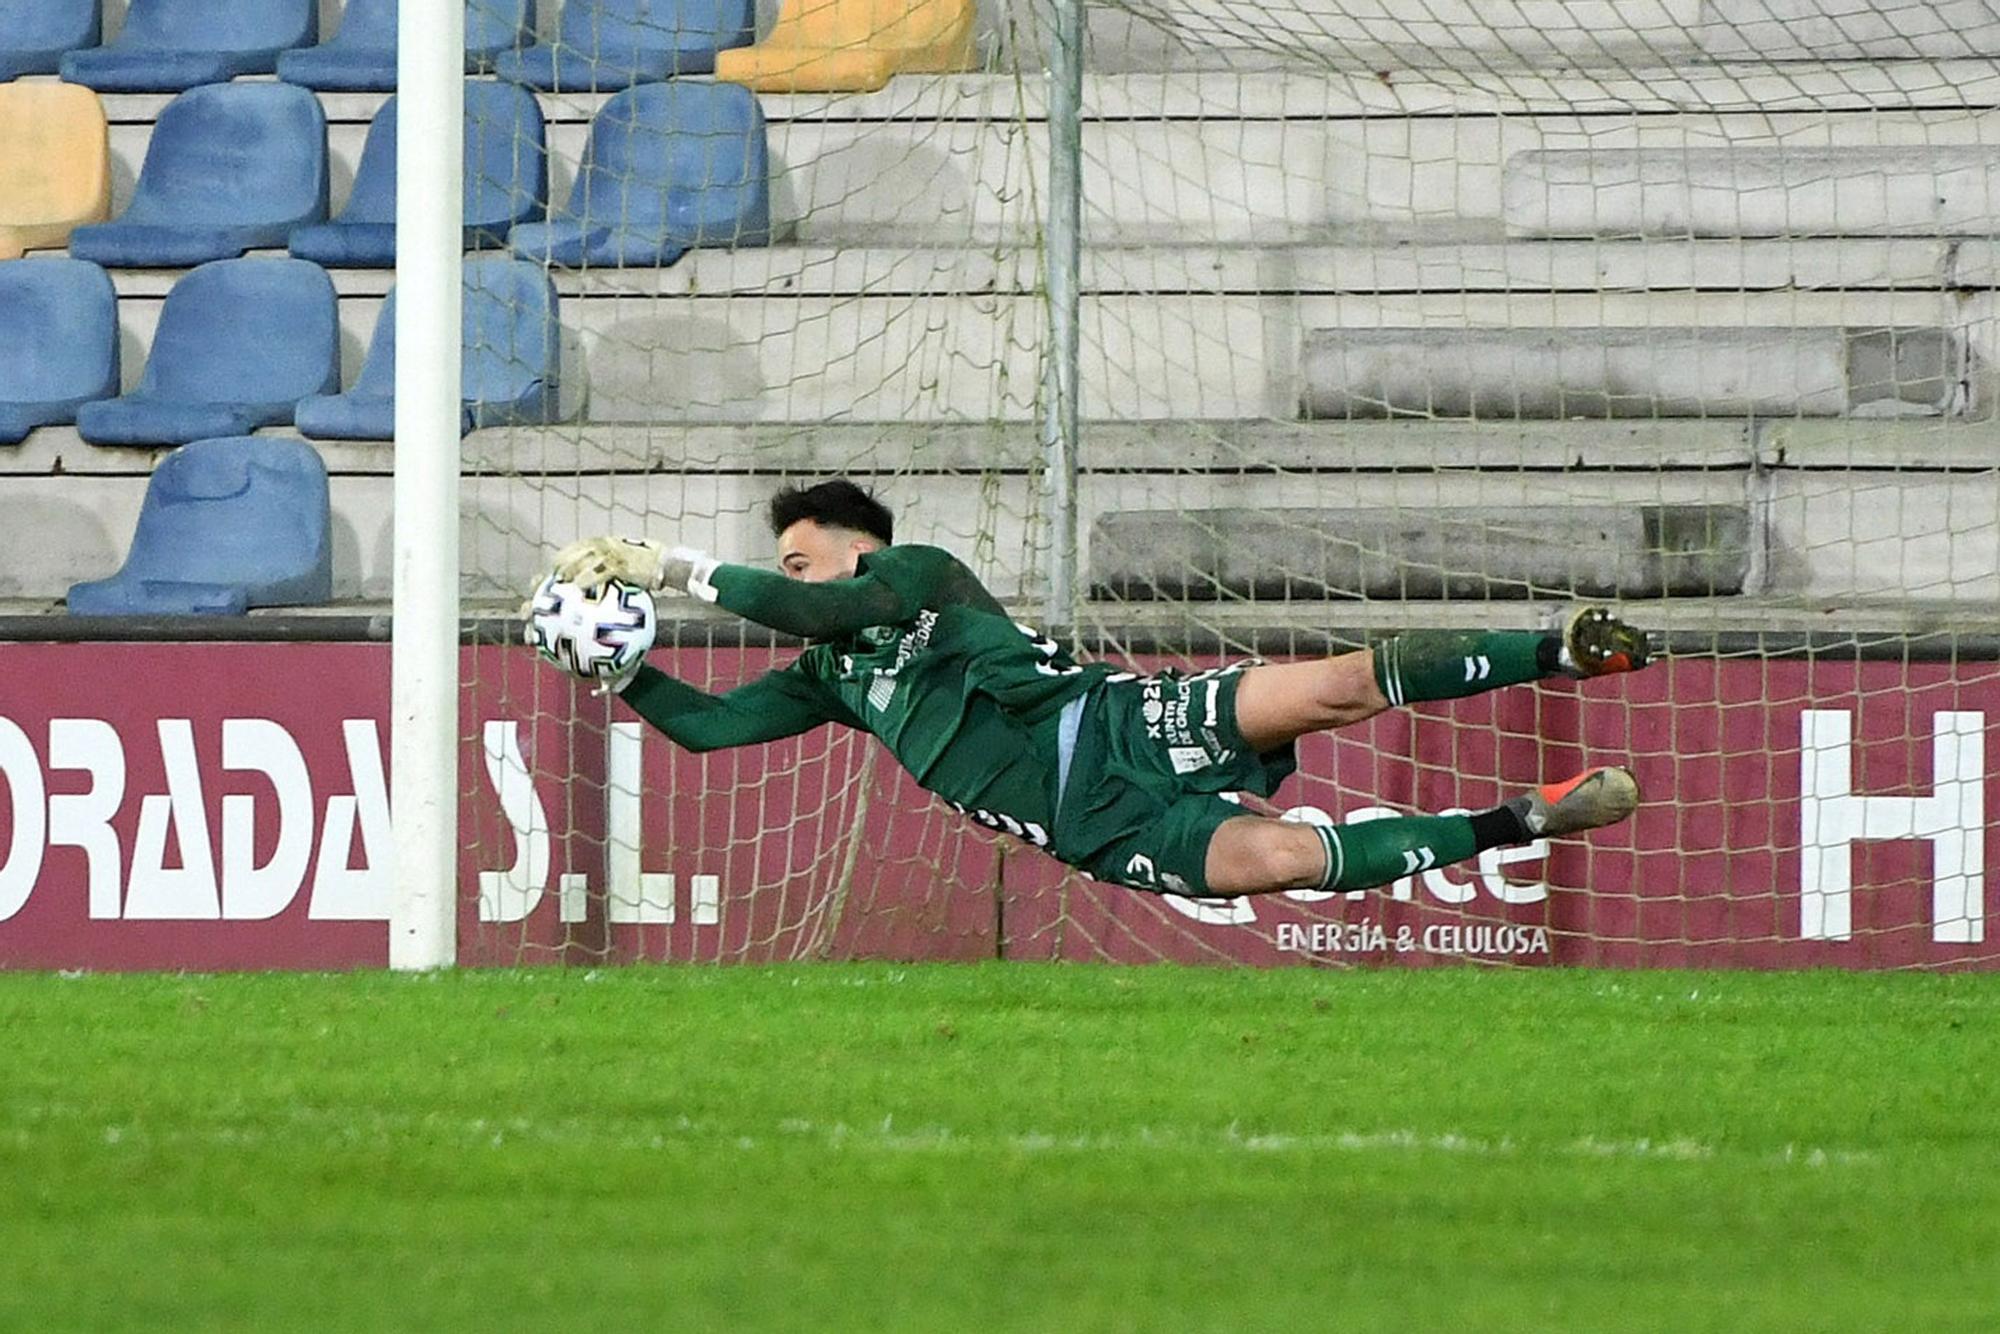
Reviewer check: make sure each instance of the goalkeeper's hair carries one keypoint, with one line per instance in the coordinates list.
(835, 504)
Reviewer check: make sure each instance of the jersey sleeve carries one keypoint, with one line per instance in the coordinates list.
(777, 704)
(892, 585)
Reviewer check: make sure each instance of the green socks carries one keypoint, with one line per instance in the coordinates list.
(1374, 852)
(1451, 664)
(1425, 665)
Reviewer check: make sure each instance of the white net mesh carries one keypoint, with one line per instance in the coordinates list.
(1394, 314)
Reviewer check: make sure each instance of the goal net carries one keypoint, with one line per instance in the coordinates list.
(1390, 314)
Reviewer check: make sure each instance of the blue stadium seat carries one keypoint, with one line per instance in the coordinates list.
(361, 57)
(58, 342)
(231, 167)
(667, 166)
(169, 45)
(506, 181)
(508, 374)
(226, 525)
(240, 342)
(604, 45)
(36, 34)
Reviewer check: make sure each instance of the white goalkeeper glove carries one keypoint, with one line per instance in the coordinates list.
(652, 565)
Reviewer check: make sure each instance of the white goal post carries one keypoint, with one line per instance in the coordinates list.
(424, 723)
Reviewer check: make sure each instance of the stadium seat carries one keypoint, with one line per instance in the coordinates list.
(605, 45)
(230, 167)
(58, 343)
(853, 46)
(36, 34)
(169, 45)
(667, 166)
(55, 160)
(508, 374)
(239, 343)
(361, 57)
(226, 525)
(506, 181)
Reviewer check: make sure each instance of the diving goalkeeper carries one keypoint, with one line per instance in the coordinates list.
(1116, 774)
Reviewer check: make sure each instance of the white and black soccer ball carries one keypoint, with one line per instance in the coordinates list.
(597, 632)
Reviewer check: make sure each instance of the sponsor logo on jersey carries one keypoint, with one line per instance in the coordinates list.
(1166, 716)
(918, 639)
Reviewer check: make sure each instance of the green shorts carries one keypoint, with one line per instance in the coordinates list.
(1153, 757)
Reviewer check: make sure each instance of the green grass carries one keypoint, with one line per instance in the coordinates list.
(1003, 1146)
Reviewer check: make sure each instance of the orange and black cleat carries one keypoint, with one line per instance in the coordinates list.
(1596, 643)
(1591, 800)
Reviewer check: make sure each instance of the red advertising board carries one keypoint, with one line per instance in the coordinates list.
(225, 806)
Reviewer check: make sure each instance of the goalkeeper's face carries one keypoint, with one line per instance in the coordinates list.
(814, 553)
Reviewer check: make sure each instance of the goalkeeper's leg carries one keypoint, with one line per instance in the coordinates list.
(1252, 855)
(1278, 703)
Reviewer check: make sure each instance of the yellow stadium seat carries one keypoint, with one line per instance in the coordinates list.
(853, 46)
(55, 159)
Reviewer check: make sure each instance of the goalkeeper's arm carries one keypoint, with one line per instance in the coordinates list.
(778, 704)
(810, 611)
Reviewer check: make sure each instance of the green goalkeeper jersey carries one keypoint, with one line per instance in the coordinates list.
(914, 650)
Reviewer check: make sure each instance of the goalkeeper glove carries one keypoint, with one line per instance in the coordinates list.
(637, 560)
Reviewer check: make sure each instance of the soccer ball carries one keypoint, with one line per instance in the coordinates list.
(597, 632)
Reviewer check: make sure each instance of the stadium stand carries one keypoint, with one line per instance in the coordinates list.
(506, 181)
(853, 46)
(55, 160)
(668, 166)
(58, 343)
(1241, 219)
(170, 45)
(361, 55)
(36, 34)
(230, 167)
(226, 525)
(606, 45)
(239, 343)
(509, 369)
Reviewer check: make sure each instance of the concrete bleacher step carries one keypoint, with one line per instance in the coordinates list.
(1843, 511)
(79, 522)
(1907, 190)
(1558, 373)
(1184, 90)
(1451, 35)
(1387, 262)
(1249, 159)
(1167, 448)
(1215, 333)
(973, 355)
(1479, 34)
(1290, 554)
(1236, 356)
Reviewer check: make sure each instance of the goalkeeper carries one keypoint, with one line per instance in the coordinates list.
(1118, 775)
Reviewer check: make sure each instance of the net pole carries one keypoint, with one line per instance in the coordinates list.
(1061, 262)
(423, 757)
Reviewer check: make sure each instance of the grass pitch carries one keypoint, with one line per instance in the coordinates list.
(1000, 1147)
